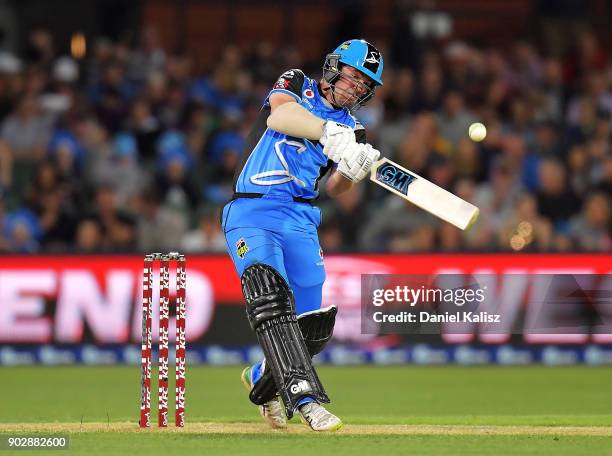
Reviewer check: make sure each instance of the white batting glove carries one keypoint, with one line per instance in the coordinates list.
(356, 166)
(336, 137)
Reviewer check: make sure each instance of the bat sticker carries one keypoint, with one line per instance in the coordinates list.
(394, 178)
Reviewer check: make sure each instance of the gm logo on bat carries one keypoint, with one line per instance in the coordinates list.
(395, 178)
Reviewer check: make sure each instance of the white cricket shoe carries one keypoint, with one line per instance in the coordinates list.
(318, 418)
(272, 411)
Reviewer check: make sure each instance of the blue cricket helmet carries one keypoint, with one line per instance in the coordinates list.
(360, 55)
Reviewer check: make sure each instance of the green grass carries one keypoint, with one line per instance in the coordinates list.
(480, 396)
(320, 445)
(351, 445)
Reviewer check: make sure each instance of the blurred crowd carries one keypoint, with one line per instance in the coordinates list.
(130, 149)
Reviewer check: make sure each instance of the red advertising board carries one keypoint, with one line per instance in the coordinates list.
(76, 299)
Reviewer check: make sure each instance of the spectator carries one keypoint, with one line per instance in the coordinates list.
(145, 127)
(496, 199)
(22, 231)
(89, 236)
(555, 199)
(592, 228)
(27, 131)
(397, 225)
(516, 156)
(596, 91)
(479, 236)
(159, 228)
(604, 184)
(454, 119)
(546, 140)
(207, 237)
(526, 229)
(467, 162)
(174, 180)
(431, 87)
(450, 238)
(549, 98)
(4, 232)
(578, 163)
(330, 238)
(118, 226)
(225, 152)
(348, 213)
(39, 48)
(49, 199)
(6, 168)
(119, 168)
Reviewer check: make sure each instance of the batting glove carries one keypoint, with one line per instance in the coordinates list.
(356, 166)
(335, 139)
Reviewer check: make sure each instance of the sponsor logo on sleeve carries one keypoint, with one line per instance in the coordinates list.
(241, 247)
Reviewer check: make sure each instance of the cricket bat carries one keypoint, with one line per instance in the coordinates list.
(426, 195)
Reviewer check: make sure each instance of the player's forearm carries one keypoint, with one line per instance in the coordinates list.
(337, 184)
(294, 120)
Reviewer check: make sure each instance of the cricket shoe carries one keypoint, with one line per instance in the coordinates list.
(318, 418)
(272, 411)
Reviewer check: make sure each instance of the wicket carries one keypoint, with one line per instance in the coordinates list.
(146, 351)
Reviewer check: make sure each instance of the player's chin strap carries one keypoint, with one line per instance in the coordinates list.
(317, 328)
(271, 312)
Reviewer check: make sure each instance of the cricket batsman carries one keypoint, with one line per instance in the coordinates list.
(305, 129)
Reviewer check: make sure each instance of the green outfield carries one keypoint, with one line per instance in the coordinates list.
(387, 410)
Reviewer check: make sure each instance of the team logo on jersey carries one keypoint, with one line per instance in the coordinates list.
(241, 247)
(282, 83)
(308, 93)
(394, 178)
(283, 175)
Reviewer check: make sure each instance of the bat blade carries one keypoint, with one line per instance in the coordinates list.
(424, 194)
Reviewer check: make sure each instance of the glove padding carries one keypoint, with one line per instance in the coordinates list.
(335, 139)
(357, 161)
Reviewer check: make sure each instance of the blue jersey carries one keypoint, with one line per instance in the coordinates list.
(281, 166)
(279, 174)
